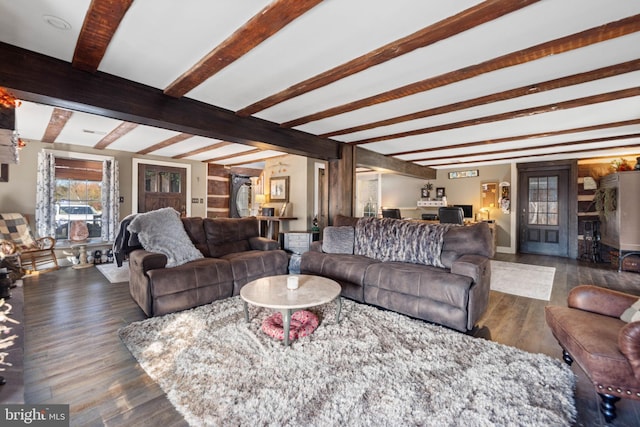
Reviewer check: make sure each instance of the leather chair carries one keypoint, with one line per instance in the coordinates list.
(451, 215)
(606, 348)
(36, 255)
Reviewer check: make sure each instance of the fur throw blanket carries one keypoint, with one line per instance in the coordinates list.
(389, 239)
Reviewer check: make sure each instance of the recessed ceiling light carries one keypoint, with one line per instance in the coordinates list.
(57, 23)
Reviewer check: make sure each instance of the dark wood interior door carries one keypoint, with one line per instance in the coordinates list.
(161, 187)
(544, 212)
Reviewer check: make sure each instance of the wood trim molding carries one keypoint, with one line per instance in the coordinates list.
(465, 20)
(564, 44)
(519, 137)
(59, 118)
(38, 78)
(100, 24)
(263, 25)
(549, 108)
(166, 143)
(575, 79)
(123, 129)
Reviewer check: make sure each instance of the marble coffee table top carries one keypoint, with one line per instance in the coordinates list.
(272, 292)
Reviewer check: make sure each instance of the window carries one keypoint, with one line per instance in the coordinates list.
(78, 195)
(543, 200)
(72, 186)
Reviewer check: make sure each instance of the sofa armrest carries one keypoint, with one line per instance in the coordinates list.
(471, 266)
(263, 244)
(142, 261)
(600, 300)
(629, 343)
(478, 268)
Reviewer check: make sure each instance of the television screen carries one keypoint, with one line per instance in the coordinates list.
(467, 209)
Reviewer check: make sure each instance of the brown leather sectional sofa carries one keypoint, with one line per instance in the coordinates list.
(455, 295)
(234, 254)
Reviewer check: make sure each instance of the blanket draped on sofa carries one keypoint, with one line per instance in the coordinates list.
(389, 239)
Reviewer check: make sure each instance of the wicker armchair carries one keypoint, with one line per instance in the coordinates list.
(36, 255)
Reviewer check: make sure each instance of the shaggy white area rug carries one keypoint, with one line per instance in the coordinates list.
(525, 280)
(113, 273)
(373, 368)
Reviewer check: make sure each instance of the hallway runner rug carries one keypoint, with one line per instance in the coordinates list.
(525, 280)
(113, 273)
(375, 367)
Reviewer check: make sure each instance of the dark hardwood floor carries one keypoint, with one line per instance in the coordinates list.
(73, 354)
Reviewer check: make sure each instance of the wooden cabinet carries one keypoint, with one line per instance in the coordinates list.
(297, 241)
(620, 228)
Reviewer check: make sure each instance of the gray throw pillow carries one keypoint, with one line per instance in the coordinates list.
(162, 231)
(338, 240)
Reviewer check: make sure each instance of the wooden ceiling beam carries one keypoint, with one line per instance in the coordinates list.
(465, 20)
(377, 161)
(549, 108)
(601, 73)
(231, 156)
(518, 137)
(262, 159)
(38, 78)
(100, 24)
(525, 156)
(554, 47)
(263, 25)
(554, 145)
(202, 150)
(58, 120)
(166, 143)
(123, 129)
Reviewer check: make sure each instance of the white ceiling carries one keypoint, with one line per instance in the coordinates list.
(159, 40)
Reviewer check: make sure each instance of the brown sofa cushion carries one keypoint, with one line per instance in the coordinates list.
(194, 226)
(420, 281)
(229, 235)
(340, 267)
(251, 265)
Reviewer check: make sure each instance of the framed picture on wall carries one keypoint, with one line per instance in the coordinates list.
(4, 172)
(440, 192)
(279, 189)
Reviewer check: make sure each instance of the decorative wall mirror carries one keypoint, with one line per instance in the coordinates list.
(489, 195)
(240, 197)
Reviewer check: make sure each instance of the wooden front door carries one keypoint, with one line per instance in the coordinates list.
(544, 211)
(161, 187)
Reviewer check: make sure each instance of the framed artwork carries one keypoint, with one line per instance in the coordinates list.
(424, 193)
(439, 192)
(463, 174)
(4, 172)
(279, 189)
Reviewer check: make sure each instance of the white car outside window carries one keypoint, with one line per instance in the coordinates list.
(77, 213)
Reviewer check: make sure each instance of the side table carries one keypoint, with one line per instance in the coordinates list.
(82, 247)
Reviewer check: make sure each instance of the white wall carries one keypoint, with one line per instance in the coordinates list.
(19, 194)
(300, 171)
(403, 192)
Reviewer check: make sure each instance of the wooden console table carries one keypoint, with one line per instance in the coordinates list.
(270, 225)
(82, 247)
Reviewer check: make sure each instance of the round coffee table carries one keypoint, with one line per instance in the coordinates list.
(272, 292)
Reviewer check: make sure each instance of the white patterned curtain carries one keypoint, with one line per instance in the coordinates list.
(46, 195)
(110, 200)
